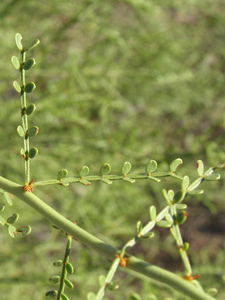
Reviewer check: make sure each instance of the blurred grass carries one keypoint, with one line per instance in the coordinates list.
(116, 81)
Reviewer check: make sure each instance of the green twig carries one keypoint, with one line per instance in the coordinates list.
(179, 241)
(24, 118)
(101, 247)
(64, 270)
(77, 179)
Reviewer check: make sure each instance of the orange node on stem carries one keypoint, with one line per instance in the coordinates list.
(190, 278)
(123, 260)
(27, 187)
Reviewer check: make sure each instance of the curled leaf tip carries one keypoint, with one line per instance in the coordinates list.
(18, 39)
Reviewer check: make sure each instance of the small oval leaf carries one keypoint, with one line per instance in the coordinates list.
(138, 227)
(2, 207)
(25, 230)
(200, 167)
(20, 131)
(51, 294)
(54, 279)
(13, 218)
(105, 169)
(170, 195)
(148, 235)
(22, 151)
(185, 183)
(12, 231)
(164, 223)
(58, 263)
(69, 268)
(152, 211)
(68, 283)
(15, 62)
(112, 286)
(8, 198)
(134, 296)
(212, 177)
(126, 167)
(85, 182)
(16, 86)
(32, 131)
(91, 296)
(196, 192)
(186, 246)
(64, 297)
(180, 206)
(165, 194)
(179, 197)
(130, 180)
(30, 109)
(29, 64)
(212, 292)
(151, 166)
(33, 152)
(62, 174)
(2, 221)
(84, 171)
(33, 44)
(107, 181)
(181, 217)
(18, 39)
(175, 164)
(29, 87)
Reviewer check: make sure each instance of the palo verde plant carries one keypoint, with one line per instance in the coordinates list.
(172, 216)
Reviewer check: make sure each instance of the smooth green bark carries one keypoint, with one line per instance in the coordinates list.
(101, 247)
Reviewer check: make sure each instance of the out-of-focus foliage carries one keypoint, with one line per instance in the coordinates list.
(116, 81)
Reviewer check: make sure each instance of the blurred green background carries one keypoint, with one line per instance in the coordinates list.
(128, 80)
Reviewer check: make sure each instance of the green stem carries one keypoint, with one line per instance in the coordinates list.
(77, 179)
(108, 279)
(24, 119)
(106, 250)
(64, 271)
(180, 244)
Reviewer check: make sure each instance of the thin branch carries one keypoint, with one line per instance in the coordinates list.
(108, 251)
